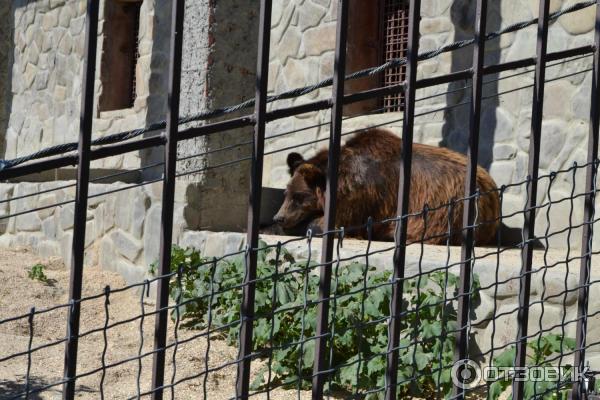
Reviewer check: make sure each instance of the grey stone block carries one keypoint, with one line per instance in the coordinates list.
(48, 248)
(28, 222)
(215, 245)
(141, 203)
(7, 240)
(65, 248)
(194, 239)
(90, 233)
(484, 311)
(234, 242)
(126, 245)
(47, 200)
(50, 227)
(152, 235)
(66, 216)
(506, 324)
(106, 254)
(580, 22)
(504, 152)
(109, 213)
(555, 134)
(122, 209)
(130, 272)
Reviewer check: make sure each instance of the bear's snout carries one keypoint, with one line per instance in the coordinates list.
(278, 219)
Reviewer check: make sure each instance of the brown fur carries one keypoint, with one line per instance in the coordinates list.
(369, 171)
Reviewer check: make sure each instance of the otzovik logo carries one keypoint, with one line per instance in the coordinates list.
(466, 374)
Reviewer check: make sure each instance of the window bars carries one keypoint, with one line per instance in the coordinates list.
(399, 354)
(394, 42)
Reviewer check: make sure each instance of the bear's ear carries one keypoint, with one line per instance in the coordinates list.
(314, 176)
(293, 161)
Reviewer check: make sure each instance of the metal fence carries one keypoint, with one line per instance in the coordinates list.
(412, 357)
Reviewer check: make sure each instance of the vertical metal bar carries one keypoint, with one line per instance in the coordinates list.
(537, 114)
(81, 198)
(464, 303)
(335, 139)
(589, 212)
(391, 371)
(260, 112)
(168, 199)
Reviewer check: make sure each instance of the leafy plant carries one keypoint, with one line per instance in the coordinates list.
(36, 273)
(539, 355)
(209, 293)
(286, 308)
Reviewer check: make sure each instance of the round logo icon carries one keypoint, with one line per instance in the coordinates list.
(466, 374)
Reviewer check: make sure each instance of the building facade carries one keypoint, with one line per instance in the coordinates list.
(41, 64)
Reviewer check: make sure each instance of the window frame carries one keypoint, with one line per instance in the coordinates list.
(120, 55)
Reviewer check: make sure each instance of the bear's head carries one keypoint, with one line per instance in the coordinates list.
(304, 196)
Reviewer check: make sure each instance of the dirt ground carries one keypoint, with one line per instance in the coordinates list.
(18, 293)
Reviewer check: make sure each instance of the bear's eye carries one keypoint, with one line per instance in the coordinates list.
(299, 197)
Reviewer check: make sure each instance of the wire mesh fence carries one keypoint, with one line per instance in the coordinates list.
(205, 305)
(325, 314)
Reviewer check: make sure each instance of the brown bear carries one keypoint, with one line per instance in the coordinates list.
(369, 169)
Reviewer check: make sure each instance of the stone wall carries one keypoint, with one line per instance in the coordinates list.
(218, 68)
(302, 54)
(123, 228)
(49, 42)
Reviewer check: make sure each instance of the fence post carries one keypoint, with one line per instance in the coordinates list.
(533, 172)
(168, 200)
(391, 372)
(81, 197)
(589, 216)
(462, 339)
(335, 139)
(258, 146)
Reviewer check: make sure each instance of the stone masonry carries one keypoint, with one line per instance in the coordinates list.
(46, 78)
(122, 232)
(43, 96)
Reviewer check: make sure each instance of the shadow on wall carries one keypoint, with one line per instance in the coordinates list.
(456, 126)
(159, 83)
(6, 57)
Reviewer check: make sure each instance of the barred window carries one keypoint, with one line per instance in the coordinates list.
(377, 32)
(120, 54)
(394, 42)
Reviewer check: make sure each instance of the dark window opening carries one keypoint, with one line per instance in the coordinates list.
(377, 32)
(120, 54)
(394, 44)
